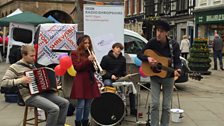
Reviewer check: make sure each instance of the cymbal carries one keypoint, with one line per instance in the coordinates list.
(127, 77)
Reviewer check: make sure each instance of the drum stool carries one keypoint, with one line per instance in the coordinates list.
(27, 120)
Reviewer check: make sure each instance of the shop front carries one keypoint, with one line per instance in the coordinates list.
(209, 22)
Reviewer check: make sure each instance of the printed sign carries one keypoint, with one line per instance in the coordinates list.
(55, 37)
(105, 25)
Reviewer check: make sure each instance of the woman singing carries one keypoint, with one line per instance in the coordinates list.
(84, 87)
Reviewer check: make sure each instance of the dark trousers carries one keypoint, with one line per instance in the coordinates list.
(184, 54)
(217, 55)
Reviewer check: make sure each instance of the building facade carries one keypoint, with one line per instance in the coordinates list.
(178, 12)
(209, 19)
(64, 11)
(134, 15)
(143, 14)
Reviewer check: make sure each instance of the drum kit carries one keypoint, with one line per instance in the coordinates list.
(110, 108)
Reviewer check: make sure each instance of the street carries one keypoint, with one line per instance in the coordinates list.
(202, 102)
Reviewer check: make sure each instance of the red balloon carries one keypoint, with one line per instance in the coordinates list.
(65, 62)
(1, 40)
(59, 71)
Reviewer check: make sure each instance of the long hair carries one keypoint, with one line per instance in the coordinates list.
(81, 45)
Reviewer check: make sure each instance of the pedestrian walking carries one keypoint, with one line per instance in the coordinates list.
(217, 51)
(184, 46)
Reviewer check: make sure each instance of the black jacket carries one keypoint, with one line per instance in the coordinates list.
(113, 66)
(153, 44)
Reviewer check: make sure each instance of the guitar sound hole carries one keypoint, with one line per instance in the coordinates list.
(157, 68)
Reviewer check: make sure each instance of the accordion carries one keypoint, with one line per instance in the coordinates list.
(43, 79)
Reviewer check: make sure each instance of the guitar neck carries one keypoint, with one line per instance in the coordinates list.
(169, 69)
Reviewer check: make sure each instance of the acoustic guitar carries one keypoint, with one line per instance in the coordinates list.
(161, 69)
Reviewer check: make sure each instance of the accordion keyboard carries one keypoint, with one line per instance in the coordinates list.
(32, 86)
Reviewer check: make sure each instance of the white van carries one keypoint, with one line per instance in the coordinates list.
(133, 43)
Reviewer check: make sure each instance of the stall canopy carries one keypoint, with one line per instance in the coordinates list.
(25, 18)
(17, 11)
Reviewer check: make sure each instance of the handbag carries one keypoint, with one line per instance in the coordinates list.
(9, 89)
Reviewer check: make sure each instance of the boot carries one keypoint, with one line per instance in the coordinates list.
(133, 111)
(85, 122)
(20, 100)
(78, 123)
(221, 66)
(215, 66)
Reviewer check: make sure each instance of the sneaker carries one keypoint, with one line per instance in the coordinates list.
(140, 114)
(134, 113)
(21, 103)
(221, 68)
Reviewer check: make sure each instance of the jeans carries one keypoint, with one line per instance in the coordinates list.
(167, 84)
(218, 54)
(83, 109)
(55, 106)
(107, 82)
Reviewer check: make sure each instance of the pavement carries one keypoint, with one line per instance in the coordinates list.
(202, 102)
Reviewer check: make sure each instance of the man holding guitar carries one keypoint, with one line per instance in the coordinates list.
(161, 61)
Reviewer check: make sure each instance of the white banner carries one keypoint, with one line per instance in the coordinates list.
(105, 25)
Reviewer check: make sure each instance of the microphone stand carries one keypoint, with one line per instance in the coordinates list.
(148, 122)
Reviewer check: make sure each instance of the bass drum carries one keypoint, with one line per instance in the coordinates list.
(108, 109)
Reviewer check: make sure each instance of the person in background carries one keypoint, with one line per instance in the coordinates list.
(84, 87)
(170, 49)
(114, 63)
(55, 106)
(184, 46)
(217, 51)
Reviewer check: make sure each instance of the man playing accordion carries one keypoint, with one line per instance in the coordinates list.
(55, 106)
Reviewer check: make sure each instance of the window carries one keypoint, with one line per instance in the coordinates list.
(203, 2)
(129, 7)
(132, 45)
(182, 6)
(141, 6)
(22, 35)
(217, 1)
(135, 6)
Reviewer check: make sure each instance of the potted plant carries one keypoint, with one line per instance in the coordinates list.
(199, 60)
